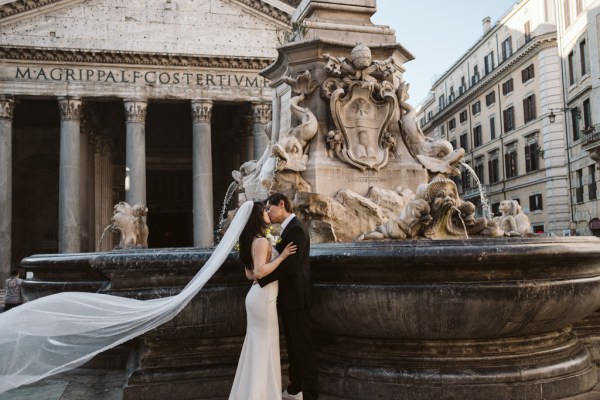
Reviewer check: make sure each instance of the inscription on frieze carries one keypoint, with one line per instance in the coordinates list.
(137, 77)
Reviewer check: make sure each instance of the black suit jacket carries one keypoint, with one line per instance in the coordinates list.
(293, 273)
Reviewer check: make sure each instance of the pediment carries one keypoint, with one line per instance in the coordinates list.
(230, 28)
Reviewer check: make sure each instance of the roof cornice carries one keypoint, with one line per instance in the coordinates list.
(263, 7)
(131, 58)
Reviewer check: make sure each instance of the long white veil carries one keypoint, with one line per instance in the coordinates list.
(60, 332)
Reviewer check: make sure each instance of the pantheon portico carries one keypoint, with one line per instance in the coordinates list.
(101, 103)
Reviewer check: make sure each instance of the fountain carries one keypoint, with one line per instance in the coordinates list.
(405, 305)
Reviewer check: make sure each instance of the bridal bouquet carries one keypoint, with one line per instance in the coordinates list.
(274, 239)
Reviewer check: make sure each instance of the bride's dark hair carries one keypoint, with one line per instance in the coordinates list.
(255, 227)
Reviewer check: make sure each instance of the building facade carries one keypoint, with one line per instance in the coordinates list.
(504, 103)
(152, 102)
(578, 32)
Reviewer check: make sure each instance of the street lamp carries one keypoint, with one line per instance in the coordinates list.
(575, 109)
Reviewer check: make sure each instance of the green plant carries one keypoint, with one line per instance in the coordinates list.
(298, 30)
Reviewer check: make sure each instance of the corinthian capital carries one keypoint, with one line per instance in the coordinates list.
(262, 113)
(70, 108)
(135, 110)
(7, 108)
(201, 110)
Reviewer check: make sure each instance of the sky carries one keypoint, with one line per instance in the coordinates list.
(437, 33)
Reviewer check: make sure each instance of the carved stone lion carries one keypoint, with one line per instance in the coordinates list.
(129, 222)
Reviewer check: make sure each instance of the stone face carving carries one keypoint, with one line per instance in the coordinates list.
(362, 103)
(129, 222)
(513, 221)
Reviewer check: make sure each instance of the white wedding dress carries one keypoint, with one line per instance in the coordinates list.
(60, 332)
(258, 374)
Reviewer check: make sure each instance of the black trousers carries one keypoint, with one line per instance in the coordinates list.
(303, 369)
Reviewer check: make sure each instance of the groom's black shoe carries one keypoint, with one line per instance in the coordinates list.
(287, 396)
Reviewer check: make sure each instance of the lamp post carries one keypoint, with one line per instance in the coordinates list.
(575, 110)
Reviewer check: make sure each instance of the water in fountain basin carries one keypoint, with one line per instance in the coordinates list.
(487, 209)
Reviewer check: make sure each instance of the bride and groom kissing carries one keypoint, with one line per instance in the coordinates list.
(281, 282)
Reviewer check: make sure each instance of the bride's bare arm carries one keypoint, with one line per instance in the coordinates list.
(261, 250)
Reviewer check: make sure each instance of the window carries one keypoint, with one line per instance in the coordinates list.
(477, 136)
(527, 31)
(452, 124)
(575, 124)
(567, 11)
(463, 85)
(506, 48)
(475, 77)
(510, 162)
(571, 68)
(507, 87)
(583, 57)
(465, 177)
(539, 229)
(532, 153)
(509, 119)
(579, 6)
(476, 107)
(493, 128)
(453, 143)
(490, 98)
(429, 115)
(579, 188)
(592, 188)
(493, 170)
(535, 202)
(529, 112)
(479, 169)
(496, 209)
(587, 114)
(488, 63)
(422, 122)
(527, 73)
(463, 142)
(441, 102)
(442, 131)
(451, 97)
(463, 116)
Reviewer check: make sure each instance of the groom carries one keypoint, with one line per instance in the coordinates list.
(294, 300)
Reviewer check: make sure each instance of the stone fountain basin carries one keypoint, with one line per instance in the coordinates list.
(459, 289)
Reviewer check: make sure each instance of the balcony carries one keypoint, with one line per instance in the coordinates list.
(591, 142)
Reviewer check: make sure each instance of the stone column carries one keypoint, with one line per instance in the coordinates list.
(103, 190)
(202, 173)
(7, 106)
(135, 149)
(69, 201)
(262, 116)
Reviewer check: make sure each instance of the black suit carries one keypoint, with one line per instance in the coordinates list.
(294, 302)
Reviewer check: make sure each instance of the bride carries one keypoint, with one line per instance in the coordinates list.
(63, 331)
(258, 375)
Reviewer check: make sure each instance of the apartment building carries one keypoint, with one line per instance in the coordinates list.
(578, 47)
(504, 102)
